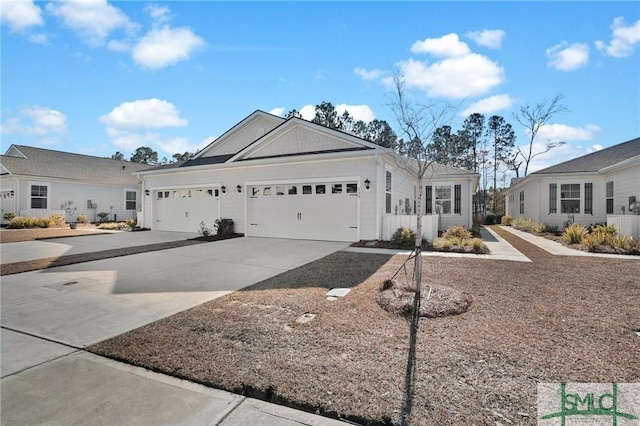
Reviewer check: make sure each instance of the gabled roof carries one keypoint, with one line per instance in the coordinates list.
(21, 160)
(597, 160)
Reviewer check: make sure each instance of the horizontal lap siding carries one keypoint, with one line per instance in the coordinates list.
(232, 204)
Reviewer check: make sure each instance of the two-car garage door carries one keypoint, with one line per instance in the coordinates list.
(314, 211)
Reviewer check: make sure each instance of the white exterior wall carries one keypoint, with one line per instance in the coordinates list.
(233, 204)
(243, 136)
(626, 183)
(72, 198)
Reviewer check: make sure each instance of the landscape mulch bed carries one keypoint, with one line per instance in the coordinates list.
(552, 320)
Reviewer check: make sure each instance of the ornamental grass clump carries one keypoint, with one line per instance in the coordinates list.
(404, 238)
(574, 233)
(458, 239)
(523, 224)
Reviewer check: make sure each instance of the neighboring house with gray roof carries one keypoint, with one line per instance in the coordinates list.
(290, 178)
(587, 189)
(38, 182)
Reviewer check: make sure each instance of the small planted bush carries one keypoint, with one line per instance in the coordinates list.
(82, 218)
(9, 216)
(103, 216)
(574, 233)
(404, 237)
(223, 226)
(457, 232)
(523, 224)
(36, 222)
(506, 220)
(203, 230)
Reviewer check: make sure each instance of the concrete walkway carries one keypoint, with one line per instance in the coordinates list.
(499, 249)
(49, 316)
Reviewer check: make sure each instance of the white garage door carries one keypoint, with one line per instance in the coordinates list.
(183, 209)
(313, 211)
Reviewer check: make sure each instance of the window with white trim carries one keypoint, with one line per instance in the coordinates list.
(609, 197)
(39, 196)
(570, 198)
(387, 192)
(130, 200)
(442, 199)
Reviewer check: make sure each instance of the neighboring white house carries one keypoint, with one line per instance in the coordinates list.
(38, 182)
(587, 190)
(290, 178)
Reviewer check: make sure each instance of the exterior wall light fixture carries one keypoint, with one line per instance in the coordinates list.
(367, 184)
(239, 188)
(146, 192)
(223, 189)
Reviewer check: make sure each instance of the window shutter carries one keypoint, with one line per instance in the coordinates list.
(457, 199)
(588, 198)
(553, 198)
(429, 199)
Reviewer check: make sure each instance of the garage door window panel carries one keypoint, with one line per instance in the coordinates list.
(336, 188)
(321, 189)
(306, 189)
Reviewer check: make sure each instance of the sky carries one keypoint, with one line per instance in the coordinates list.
(97, 77)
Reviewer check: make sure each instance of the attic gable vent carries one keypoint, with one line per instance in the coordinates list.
(15, 152)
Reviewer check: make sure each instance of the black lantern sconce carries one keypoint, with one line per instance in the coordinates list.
(146, 192)
(367, 184)
(12, 193)
(239, 188)
(223, 189)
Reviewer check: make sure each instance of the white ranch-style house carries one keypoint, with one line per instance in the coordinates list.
(37, 182)
(603, 186)
(290, 178)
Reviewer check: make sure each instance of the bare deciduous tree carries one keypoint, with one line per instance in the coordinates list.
(533, 117)
(418, 125)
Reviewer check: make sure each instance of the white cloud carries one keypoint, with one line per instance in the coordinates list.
(459, 77)
(623, 39)
(565, 57)
(42, 39)
(129, 140)
(179, 146)
(36, 121)
(20, 15)
(357, 112)
(145, 113)
(165, 46)
(445, 46)
(159, 14)
(563, 132)
(369, 75)
(277, 111)
(489, 105)
(308, 112)
(487, 38)
(92, 20)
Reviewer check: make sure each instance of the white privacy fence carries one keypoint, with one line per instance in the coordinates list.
(430, 225)
(626, 225)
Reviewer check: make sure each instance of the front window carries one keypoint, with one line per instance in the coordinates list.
(388, 192)
(443, 199)
(39, 194)
(130, 200)
(570, 198)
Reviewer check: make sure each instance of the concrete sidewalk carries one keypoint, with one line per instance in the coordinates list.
(558, 249)
(83, 389)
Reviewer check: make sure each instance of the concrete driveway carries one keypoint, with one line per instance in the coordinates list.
(49, 316)
(82, 304)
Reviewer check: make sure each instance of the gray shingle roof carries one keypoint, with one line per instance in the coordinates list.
(597, 160)
(47, 163)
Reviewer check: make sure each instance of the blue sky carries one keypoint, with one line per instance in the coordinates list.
(96, 77)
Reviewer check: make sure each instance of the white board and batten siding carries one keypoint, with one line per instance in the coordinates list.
(391, 223)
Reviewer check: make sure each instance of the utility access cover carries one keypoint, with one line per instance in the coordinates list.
(338, 292)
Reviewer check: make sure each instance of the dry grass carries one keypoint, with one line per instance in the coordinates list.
(435, 301)
(555, 319)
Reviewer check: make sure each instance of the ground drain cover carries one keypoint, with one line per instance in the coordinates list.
(72, 284)
(304, 318)
(337, 292)
(637, 330)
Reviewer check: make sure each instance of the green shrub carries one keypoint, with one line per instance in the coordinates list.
(506, 220)
(9, 216)
(130, 223)
(82, 218)
(223, 226)
(590, 242)
(574, 233)
(492, 219)
(103, 216)
(456, 232)
(539, 228)
(404, 237)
